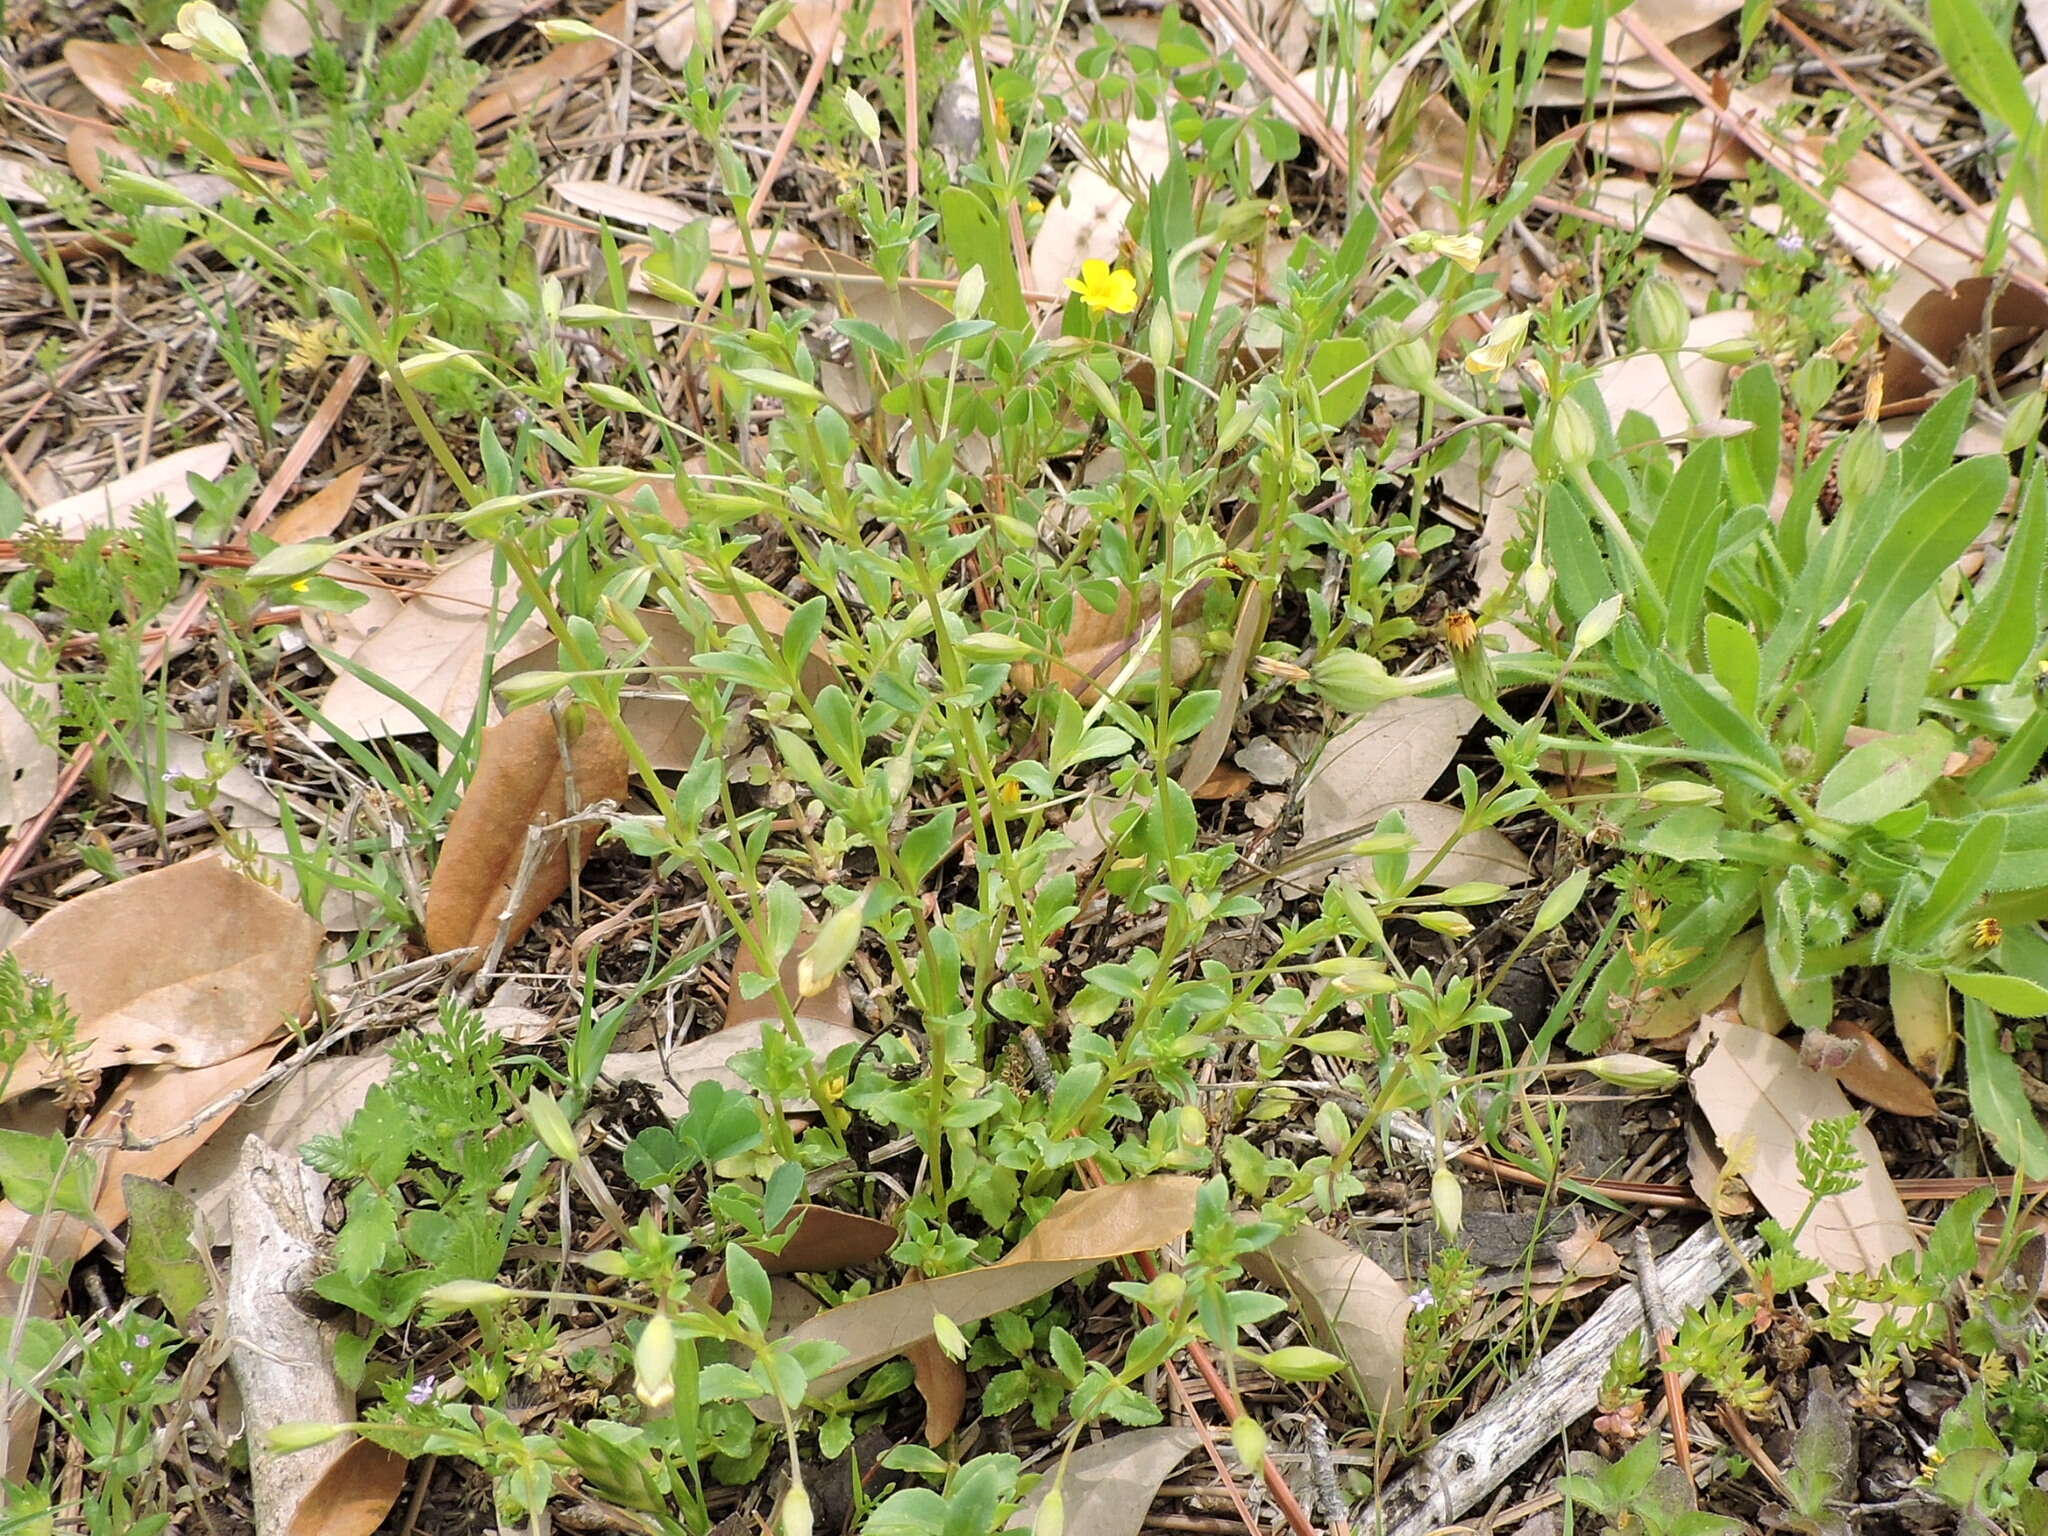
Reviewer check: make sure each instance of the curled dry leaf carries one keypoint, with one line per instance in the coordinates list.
(822, 1239)
(115, 503)
(530, 88)
(187, 966)
(433, 651)
(29, 761)
(322, 512)
(942, 1382)
(1637, 81)
(1665, 20)
(1923, 1019)
(1878, 1077)
(354, 1494)
(1690, 144)
(1762, 1103)
(1949, 325)
(1354, 1308)
(1082, 1230)
(289, 27)
(1109, 1486)
(520, 784)
(114, 72)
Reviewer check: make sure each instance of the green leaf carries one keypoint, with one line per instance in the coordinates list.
(1880, 777)
(2005, 624)
(37, 1175)
(2014, 996)
(1707, 720)
(752, 1296)
(1961, 881)
(1341, 373)
(1681, 543)
(1981, 61)
(1998, 1096)
(162, 1258)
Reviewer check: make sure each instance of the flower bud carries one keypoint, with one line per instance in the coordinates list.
(1813, 384)
(1573, 440)
(552, 1126)
(1249, 1441)
(1406, 362)
(1682, 792)
(1730, 351)
(1659, 315)
(207, 35)
(455, 1295)
(797, 1519)
(299, 1437)
(1469, 660)
(1625, 1069)
(654, 1364)
(1356, 682)
(1860, 465)
(1447, 1201)
(993, 645)
(1333, 1127)
(1051, 1519)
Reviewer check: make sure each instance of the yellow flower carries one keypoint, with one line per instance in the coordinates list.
(1102, 286)
(1500, 348)
(1464, 250)
(203, 31)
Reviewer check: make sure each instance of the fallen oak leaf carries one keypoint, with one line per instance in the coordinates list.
(187, 966)
(1348, 1302)
(115, 503)
(1759, 1098)
(530, 88)
(1878, 1077)
(519, 785)
(1083, 1229)
(1108, 1487)
(114, 72)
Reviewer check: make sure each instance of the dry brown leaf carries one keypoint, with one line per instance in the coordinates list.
(675, 40)
(1948, 325)
(352, 1497)
(1705, 1171)
(1583, 1251)
(1670, 218)
(942, 1383)
(1880, 216)
(822, 1239)
(317, 1099)
(289, 27)
(1689, 144)
(910, 317)
(626, 205)
(115, 503)
(834, 1005)
(1084, 1228)
(11, 927)
(807, 23)
(709, 1058)
(1097, 647)
(519, 784)
(187, 966)
(29, 764)
(530, 88)
(1878, 1077)
(1638, 81)
(322, 512)
(1350, 1305)
(114, 72)
(1395, 752)
(1109, 1486)
(433, 651)
(1482, 855)
(1762, 1103)
(1665, 20)
(152, 1102)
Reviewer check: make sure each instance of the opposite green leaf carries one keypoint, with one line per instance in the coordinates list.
(1998, 1096)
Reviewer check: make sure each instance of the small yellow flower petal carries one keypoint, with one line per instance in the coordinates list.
(1500, 348)
(1103, 287)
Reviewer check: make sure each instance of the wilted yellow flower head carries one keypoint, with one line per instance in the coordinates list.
(206, 34)
(1464, 250)
(1500, 348)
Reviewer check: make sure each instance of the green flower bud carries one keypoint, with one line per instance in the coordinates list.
(1249, 1441)
(552, 1126)
(992, 645)
(457, 1295)
(1682, 792)
(1405, 362)
(654, 1364)
(1659, 316)
(1356, 682)
(1860, 465)
(299, 1437)
(1051, 1519)
(1814, 383)
(1298, 1362)
(1447, 1201)
(1624, 1069)
(1730, 351)
(1572, 438)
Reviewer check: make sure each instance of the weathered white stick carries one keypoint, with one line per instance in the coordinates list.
(1475, 1458)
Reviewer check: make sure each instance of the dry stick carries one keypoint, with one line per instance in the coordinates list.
(1918, 151)
(1788, 161)
(31, 833)
(1480, 1454)
(1658, 1324)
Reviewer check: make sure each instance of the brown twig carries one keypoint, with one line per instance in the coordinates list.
(1658, 1325)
